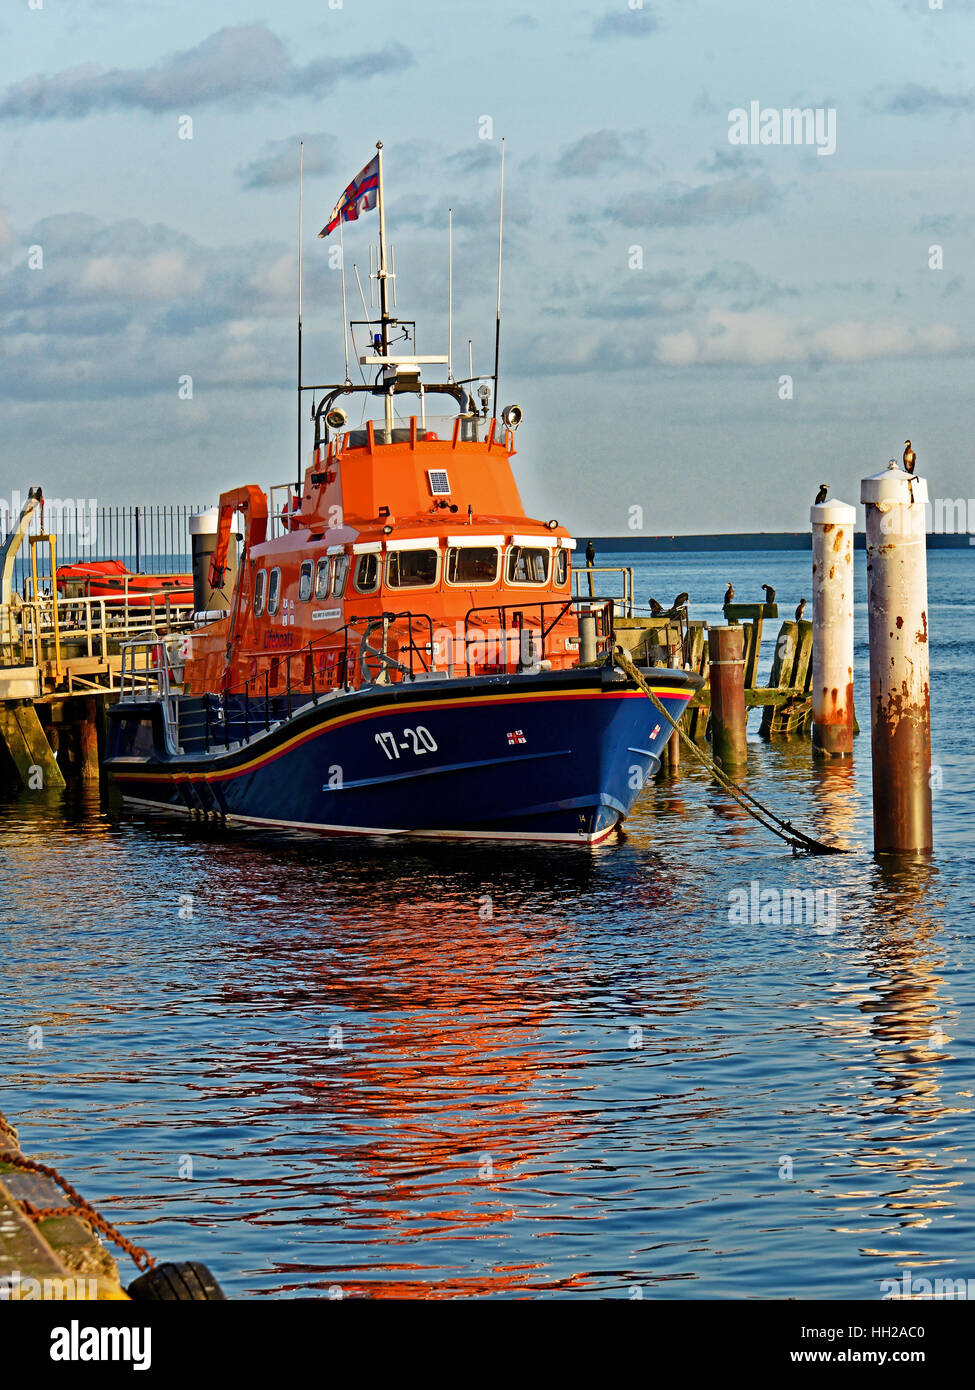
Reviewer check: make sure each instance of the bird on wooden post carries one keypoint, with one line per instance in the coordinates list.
(800, 610)
(910, 457)
(656, 608)
(769, 593)
(590, 554)
(729, 594)
(822, 494)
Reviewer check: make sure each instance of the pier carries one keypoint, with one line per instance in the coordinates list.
(60, 657)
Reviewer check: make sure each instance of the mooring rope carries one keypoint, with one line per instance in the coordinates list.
(79, 1206)
(796, 838)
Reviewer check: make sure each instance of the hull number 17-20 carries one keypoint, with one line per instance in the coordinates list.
(413, 742)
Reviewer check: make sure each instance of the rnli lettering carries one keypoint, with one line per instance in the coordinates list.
(277, 639)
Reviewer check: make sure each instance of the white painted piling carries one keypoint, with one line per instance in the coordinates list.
(900, 714)
(832, 618)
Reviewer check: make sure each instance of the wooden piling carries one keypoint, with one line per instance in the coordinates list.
(832, 604)
(28, 746)
(728, 713)
(696, 718)
(88, 740)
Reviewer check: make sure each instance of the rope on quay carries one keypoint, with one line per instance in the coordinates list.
(800, 842)
(78, 1207)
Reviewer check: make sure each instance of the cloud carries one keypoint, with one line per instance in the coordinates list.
(125, 308)
(236, 65)
(625, 24)
(762, 338)
(729, 159)
(679, 205)
(481, 158)
(913, 99)
(279, 163)
(599, 149)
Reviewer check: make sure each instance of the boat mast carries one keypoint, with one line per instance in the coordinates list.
(301, 171)
(497, 321)
(381, 276)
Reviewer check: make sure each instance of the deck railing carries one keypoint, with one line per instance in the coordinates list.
(49, 630)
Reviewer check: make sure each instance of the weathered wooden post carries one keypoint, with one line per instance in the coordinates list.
(88, 740)
(728, 714)
(832, 635)
(897, 607)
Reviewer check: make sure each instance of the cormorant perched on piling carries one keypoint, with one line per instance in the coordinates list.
(680, 602)
(769, 593)
(729, 594)
(590, 554)
(656, 608)
(800, 610)
(821, 494)
(910, 457)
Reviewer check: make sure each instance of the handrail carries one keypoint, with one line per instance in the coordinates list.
(605, 607)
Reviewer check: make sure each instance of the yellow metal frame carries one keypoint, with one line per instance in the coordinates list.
(52, 544)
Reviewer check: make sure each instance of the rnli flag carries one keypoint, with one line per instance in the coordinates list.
(361, 195)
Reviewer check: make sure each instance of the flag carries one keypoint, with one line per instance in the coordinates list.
(361, 195)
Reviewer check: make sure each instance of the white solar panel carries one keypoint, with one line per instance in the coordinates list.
(439, 482)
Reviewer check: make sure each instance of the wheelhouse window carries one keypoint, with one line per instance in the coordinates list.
(304, 580)
(367, 573)
(474, 564)
(527, 565)
(561, 567)
(274, 592)
(340, 569)
(411, 569)
(260, 592)
(321, 579)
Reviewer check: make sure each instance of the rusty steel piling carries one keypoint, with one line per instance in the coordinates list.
(900, 713)
(728, 713)
(832, 632)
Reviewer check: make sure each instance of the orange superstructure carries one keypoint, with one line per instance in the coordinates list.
(427, 529)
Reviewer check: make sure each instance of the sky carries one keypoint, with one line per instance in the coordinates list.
(698, 332)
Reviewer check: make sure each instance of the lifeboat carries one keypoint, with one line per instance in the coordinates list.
(111, 579)
(403, 653)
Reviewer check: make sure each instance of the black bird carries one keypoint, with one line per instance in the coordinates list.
(681, 601)
(590, 554)
(769, 593)
(821, 494)
(800, 610)
(729, 594)
(910, 457)
(656, 608)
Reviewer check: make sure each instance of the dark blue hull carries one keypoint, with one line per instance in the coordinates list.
(558, 756)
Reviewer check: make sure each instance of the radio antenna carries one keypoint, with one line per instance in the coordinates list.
(450, 292)
(301, 176)
(497, 322)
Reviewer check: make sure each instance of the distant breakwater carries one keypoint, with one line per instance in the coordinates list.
(741, 540)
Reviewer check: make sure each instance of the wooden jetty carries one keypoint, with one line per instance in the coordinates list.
(785, 699)
(60, 661)
(55, 1256)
